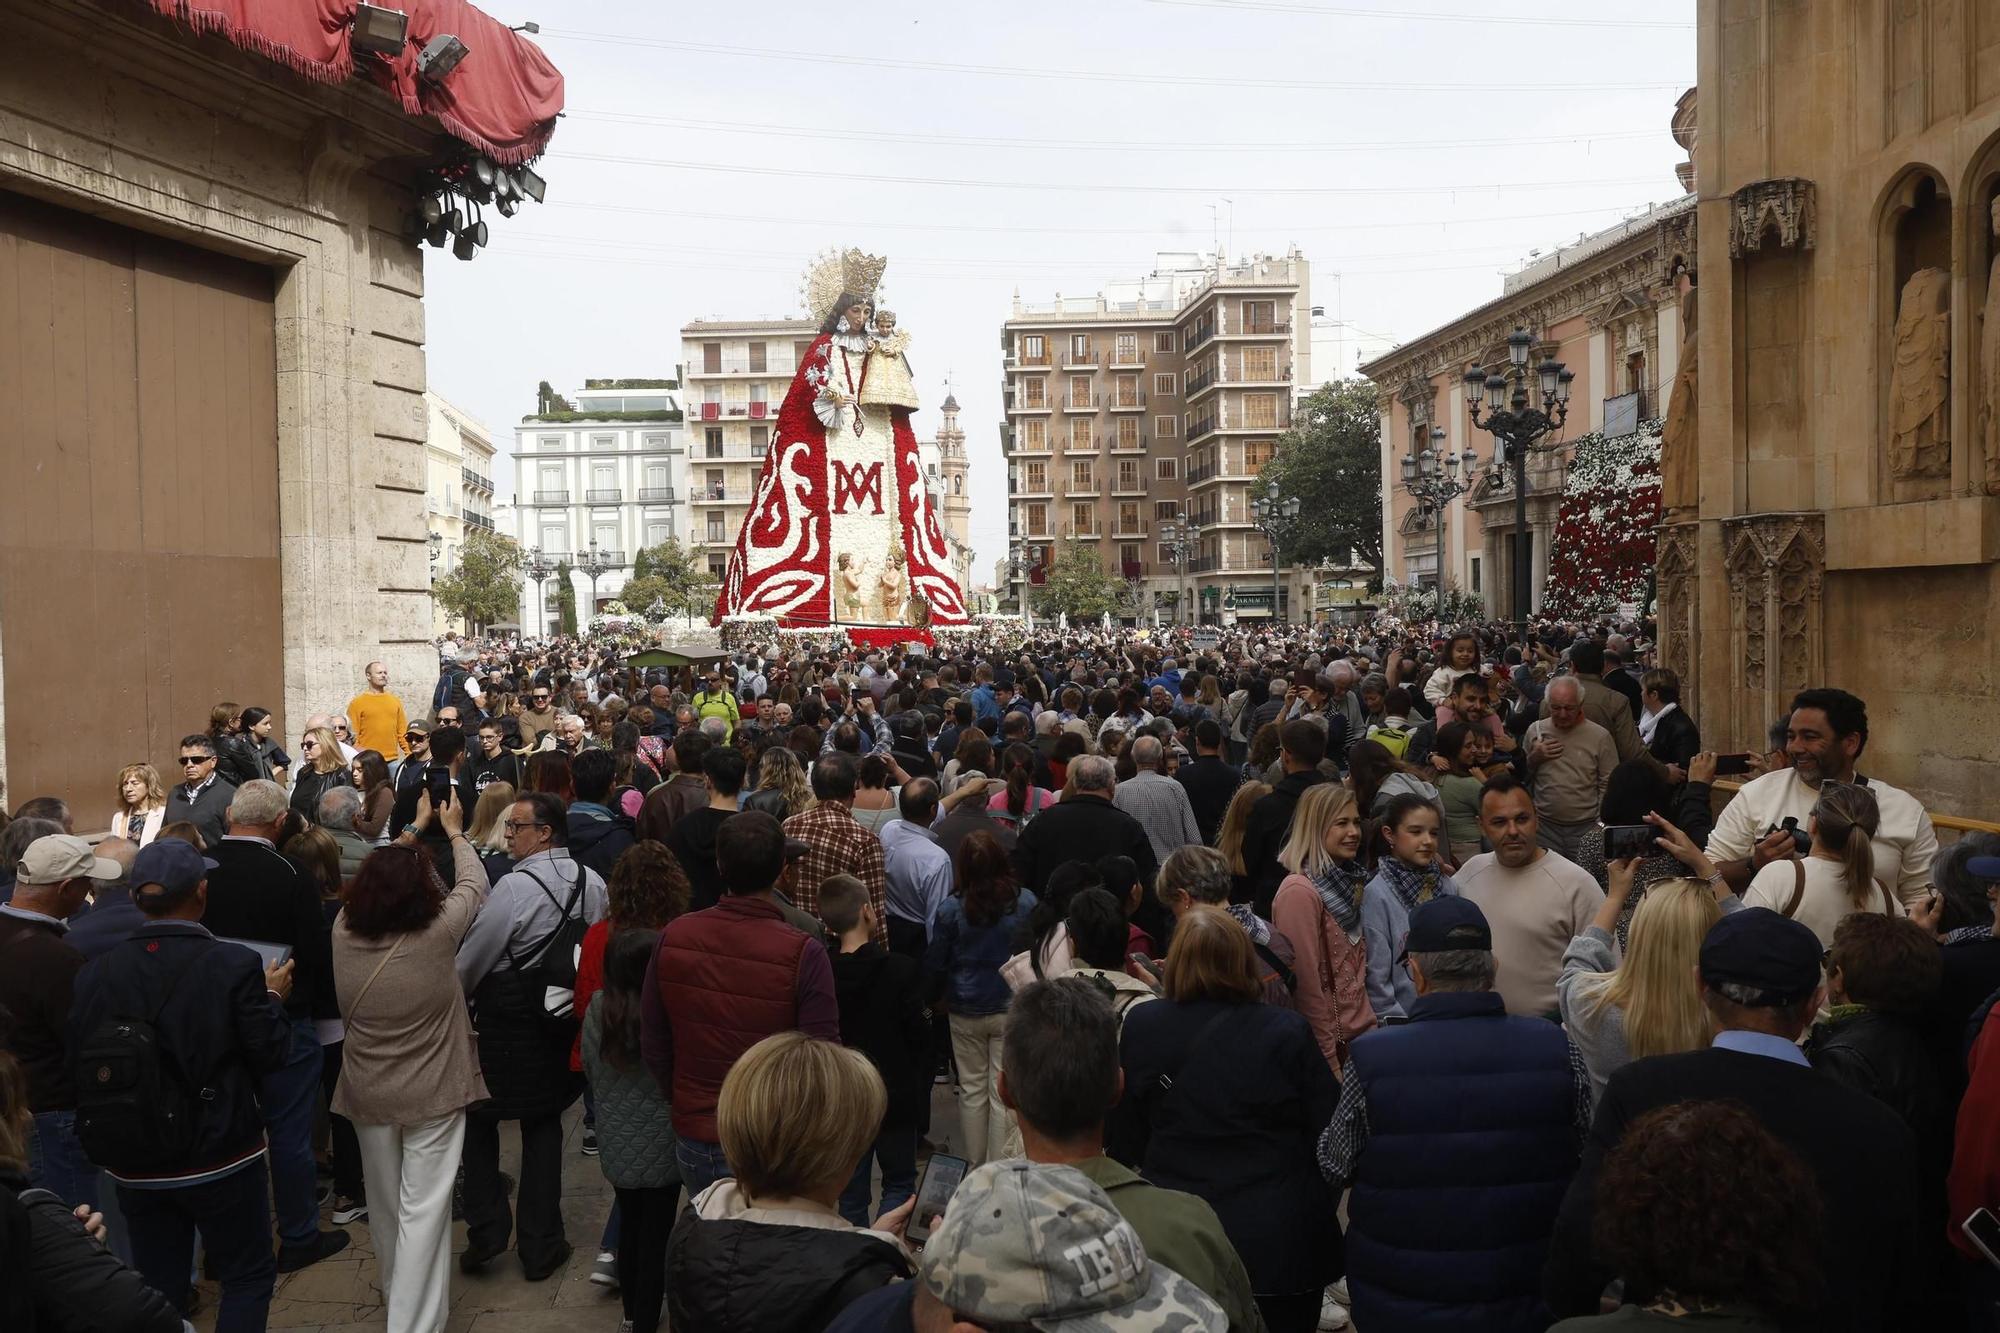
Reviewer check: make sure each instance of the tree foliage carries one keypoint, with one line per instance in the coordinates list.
(1331, 459)
(486, 586)
(566, 598)
(672, 575)
(1078, 585)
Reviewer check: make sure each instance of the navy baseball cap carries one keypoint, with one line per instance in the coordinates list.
(1756, 947)
(171, 866)
(1447, 923)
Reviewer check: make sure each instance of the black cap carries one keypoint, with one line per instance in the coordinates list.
(1758, 948)
(1447, 923)
(1003, 680)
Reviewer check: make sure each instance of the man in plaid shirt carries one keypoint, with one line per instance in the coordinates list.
(835, 844)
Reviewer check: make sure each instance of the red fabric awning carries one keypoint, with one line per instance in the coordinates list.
(501, 100)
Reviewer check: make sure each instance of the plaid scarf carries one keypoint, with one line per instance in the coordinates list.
(1340, 884)
(1412, 886)
(1259, 929)
(1966, 934)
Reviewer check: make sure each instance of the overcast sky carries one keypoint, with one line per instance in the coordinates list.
(1041, 147)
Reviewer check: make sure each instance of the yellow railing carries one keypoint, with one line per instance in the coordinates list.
(1941, 822)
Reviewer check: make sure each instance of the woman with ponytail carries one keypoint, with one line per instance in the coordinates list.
(1022, 800)
(1837, 876)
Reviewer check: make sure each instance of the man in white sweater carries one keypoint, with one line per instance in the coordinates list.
(1535, 900)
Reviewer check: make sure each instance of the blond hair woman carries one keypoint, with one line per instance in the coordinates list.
(142, 804)
(767, 1251)
(1229, 837)
(1318, 909)
(1648, 1005)
(322, 767)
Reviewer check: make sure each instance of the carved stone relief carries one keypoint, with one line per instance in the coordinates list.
(1776, 566)
(1679, 583)
(1786, 203)
(1989, 367)
(1920, 378)
(1678, 442)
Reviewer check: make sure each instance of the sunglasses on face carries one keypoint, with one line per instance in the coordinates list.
(195, 760)
(308, 745)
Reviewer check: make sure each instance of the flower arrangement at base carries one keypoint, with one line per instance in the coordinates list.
(737, 633)
(1413, 605)
(1604, 547)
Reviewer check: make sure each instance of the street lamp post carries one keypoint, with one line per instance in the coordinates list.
(593, 565)
(1518, 428)
(1179, 537)
(1432, 477)
(538, 567)
(1273, 515)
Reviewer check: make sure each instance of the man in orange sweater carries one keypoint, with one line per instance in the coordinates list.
(377, 716)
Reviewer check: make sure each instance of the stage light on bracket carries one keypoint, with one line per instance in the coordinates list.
(454, 220)
(432, 209)
(528, 183)
(508, 207)
(463, 246)
(379, 29)
(440, 57)
(437, 235)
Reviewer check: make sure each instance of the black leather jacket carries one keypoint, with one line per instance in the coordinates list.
(68, 1282)
(1887, 1058)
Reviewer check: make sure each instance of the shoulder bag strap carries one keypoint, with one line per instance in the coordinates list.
(1798, 887)
(1165, 1081)
(394, 949)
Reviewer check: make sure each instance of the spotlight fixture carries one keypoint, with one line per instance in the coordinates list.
(440, 57)
(476, 233)
(528, 183)
(503, 185)
(437, 234)
(463, 247)
(454, 220)
(529, 27)
(432, 209)
(383, 31)
(507, 206)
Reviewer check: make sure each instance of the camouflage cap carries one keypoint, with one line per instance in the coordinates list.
(1042, 1245)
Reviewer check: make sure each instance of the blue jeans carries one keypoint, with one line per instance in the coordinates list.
(56, 1162)
(234, 1219)
(896, 1150)
(290, 1100)
(702, 1164)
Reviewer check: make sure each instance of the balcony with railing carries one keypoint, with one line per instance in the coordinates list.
(1259, 328)
(656, 494)
(1030, 488)
(1129, 484)
(1200, 380)
(731, 453)
(1202, 426)
(1083, 532)
(1030, 403)
(478, 481)
(1128, 357)
(603, 495)
(1037, 359)
(1198, 335)
(720, 495)
(1089, 358)
(1023, 445)
(738, 366)
(1088, 444)
(478, 520)
(1132, 401)
(612, 559)
(1084, 489)
(551, 497)
(1136, 444)
(1083, 402)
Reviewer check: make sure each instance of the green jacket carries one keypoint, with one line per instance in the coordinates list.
(722, 705)
(1182, 1232)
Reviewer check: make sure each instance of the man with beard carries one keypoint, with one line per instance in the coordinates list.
(490, 763)
(1824, 740)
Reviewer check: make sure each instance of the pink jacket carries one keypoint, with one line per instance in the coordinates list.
(1332, 970)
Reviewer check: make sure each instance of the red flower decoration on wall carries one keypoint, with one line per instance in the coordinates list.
(1603, 550)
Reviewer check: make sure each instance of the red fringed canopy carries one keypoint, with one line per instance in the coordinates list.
(881, 638)
(502, 99)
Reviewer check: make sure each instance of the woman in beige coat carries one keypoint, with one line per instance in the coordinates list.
(411, 1069)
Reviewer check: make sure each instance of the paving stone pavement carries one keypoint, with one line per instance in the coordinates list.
(340, 1295)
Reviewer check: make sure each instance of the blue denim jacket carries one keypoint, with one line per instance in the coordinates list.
(968, 957)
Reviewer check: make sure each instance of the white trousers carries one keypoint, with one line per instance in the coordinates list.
(984, 1120)
(409, 1171)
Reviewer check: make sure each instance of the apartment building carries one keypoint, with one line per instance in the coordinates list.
(737, 373)
(458, 487)
(605, 469)
(1158, 398)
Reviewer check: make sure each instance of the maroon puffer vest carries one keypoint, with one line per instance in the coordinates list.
(728, 978)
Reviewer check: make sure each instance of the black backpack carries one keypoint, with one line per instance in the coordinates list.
(135, 1110)
(551, 964)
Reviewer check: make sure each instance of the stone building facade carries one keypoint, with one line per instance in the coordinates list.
(1834, 518)
(212, 337)
(1609, 307)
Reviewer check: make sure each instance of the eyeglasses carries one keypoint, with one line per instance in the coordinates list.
(196, 760)
(515, 826)
(303, 745)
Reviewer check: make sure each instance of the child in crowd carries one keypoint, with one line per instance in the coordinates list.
(1466, 751)
(1407, 874)
(882, 1014)
(635, 1130)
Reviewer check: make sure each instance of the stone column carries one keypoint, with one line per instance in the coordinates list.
(1775, 564)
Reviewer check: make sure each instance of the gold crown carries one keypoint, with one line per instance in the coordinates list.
(836, 272)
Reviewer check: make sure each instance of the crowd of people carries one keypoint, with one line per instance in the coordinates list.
(1398, 977)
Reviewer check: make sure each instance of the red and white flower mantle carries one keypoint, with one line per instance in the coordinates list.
(1603, 551)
